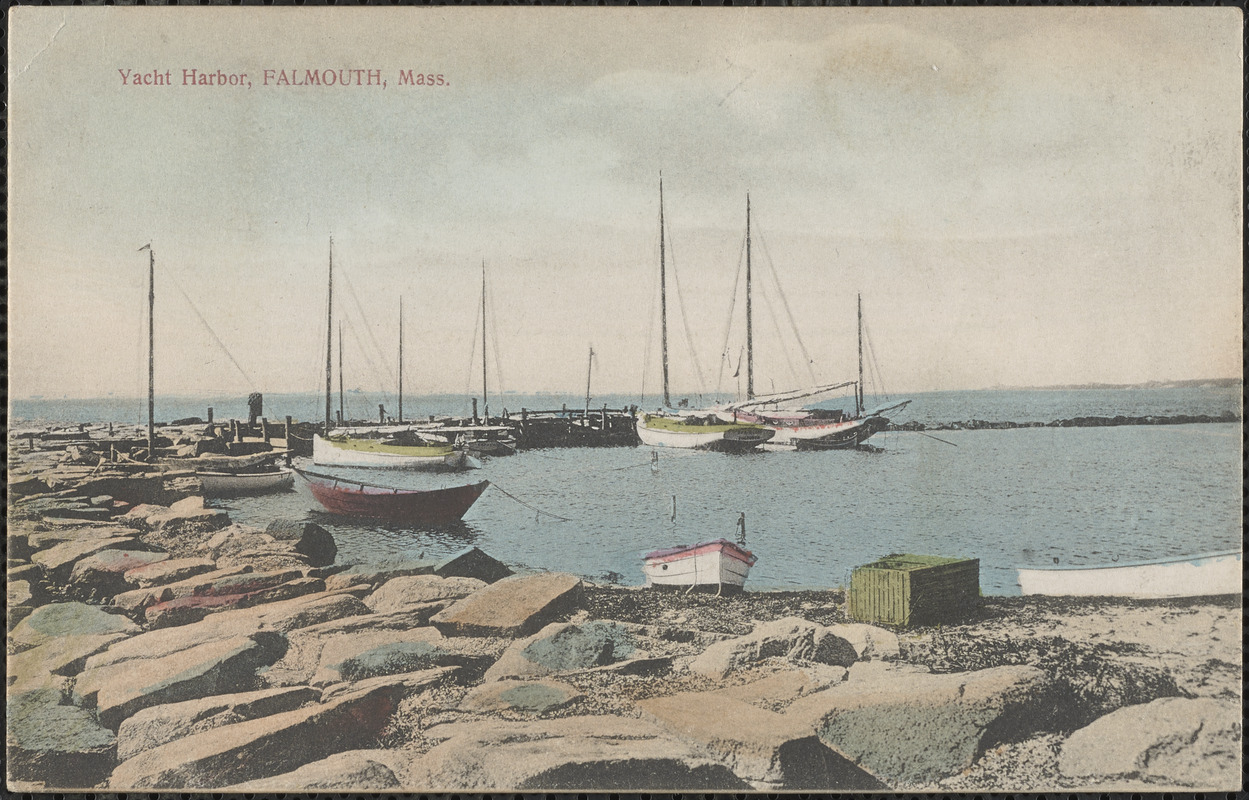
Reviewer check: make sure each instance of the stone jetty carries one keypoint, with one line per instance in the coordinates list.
(156, 645)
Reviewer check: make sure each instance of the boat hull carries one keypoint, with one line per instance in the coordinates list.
(1192, 576)
(229, 484)
(726, 438)
(720, 563)
(369, 454)
(803, 432)
(433, 507)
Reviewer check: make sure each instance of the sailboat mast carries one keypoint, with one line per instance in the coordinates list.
(329, 339)
(663, 291)
(485, 402)
(588, 367)
(151, 349)
(401, 360)
(858, 404)
(750, 344)
(342, 410)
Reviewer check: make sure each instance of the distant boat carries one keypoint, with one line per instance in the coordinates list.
(374, 453)
(1202, 575)
(718, 563)
(805, 429)
(411, 506)
(233, 484)
(690, 430)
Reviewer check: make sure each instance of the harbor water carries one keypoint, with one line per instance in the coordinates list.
(1029, 496)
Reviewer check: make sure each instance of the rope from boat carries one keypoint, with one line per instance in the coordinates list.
(930, 436)
(530, 507)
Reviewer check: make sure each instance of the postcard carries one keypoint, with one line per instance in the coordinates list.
(454, 399)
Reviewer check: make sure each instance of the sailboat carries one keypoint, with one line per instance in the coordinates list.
(349, 451)
(480, 439)
(806, 429)
(690, 429)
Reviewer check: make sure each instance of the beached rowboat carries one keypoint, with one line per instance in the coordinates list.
(717, 563)
(416, 507)
(231, 484)
(1186, 576)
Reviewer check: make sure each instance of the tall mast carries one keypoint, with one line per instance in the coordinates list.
(589, 366)
(400, 359)
(485, 402)
(663, 291)
(329, 339)
(750, 345)
(151, 349)
(858, 400)
(342, 410)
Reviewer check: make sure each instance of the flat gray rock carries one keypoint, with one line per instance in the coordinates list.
(1172, 742)
(61, 745)
(58, 620)
(600, 753)
(407, 592)
(515, 606)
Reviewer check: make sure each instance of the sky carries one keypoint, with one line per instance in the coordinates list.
(1021, 196)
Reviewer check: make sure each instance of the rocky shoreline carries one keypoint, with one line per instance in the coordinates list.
(168, 648)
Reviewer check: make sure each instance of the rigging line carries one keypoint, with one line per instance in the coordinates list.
(776, 325)
(250, 383)
(873, 362)
(472, 353)
(728, 324)
(685, 319)
(528, 506)
(372, 364)
(351, 289)
(785, 302)
(650, 326)
(494, 340)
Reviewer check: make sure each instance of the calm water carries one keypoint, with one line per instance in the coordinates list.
(1009, 498)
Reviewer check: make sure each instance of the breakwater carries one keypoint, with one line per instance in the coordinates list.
(1074, 422)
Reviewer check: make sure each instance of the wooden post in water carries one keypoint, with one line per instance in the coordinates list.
(474, 410)
(381, 414)
(151, 349)
(210, 415)
(235, 434)
(288, 432)
(264, 430)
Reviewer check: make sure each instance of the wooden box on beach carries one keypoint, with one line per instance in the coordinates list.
(904, 589)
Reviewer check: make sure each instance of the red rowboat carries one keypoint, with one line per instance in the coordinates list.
(420, 507)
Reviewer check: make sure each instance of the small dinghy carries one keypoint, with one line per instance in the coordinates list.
(352, 498)
(235, 484)
(718, 563)
(1202, 575)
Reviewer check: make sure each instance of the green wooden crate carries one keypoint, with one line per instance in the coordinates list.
(906, 590)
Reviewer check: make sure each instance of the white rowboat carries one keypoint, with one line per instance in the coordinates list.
(1184, 576)
(228, 484)
(373, 453)
(719, 563)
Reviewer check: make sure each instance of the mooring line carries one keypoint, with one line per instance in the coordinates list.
(526, 505)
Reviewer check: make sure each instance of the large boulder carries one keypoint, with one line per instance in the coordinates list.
(187, 516)
(928, 727)
(472, 563)
(158, 725)
(564, 647)
(353, 771)
(1172, 742)
(58, 620)
(185, 610)
(309, 539)
(61, 745)
(771, 751)
(601, 753)
(264, 747)
(404, 593)
(218, 667)
(520, 697)
(369, 654)
(58, 561)
(103, 573)
(790, 638)
(375, 576)
(515, 606)
(137, 600)
(64, 655)
(168, 571)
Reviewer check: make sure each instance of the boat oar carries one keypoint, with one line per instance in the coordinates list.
(930, 436)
